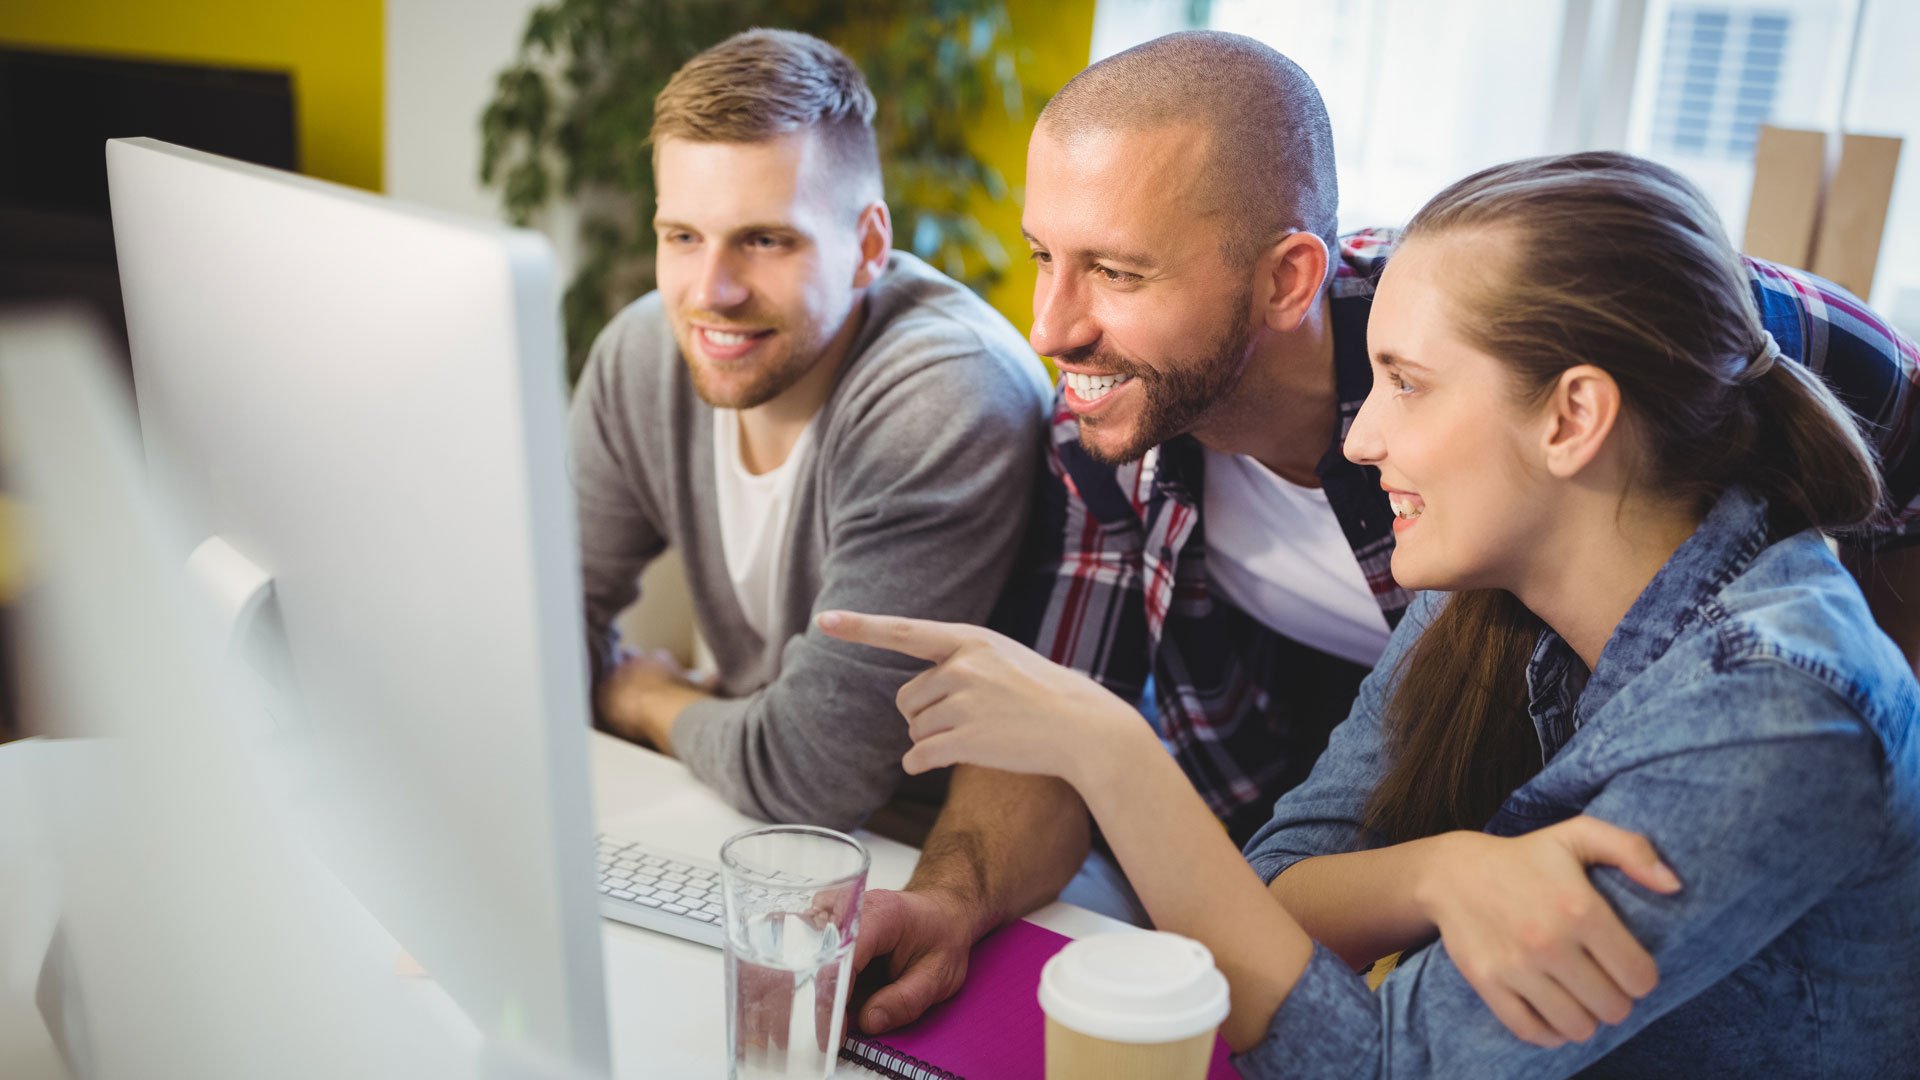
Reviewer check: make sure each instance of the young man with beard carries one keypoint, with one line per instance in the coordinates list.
(812, 419)
(1201, 544)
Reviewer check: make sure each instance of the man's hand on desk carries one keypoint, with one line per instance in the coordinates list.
(925, 938)
(1005, 844)
(646, 694)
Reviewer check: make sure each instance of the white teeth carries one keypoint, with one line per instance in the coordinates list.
(724, 339)
(1093, 387)
(1405, 508)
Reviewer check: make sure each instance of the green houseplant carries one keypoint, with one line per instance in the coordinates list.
(569, 120)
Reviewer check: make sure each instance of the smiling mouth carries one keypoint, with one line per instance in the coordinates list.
(730, 338)
(1091, 388)
(728, 346)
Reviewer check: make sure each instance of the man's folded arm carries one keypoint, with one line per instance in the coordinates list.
(931, 484)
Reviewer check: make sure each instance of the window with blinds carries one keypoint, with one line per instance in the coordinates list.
(1719, 75)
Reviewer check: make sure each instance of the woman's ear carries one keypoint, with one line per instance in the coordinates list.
(1582, 411)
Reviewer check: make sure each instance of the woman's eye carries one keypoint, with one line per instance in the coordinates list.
(1401, 386)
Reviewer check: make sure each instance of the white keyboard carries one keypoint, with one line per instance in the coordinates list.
(656, 891)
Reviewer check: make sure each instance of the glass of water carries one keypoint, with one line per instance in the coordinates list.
(793, 907)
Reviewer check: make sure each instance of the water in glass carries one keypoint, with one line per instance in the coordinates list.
(787, 977)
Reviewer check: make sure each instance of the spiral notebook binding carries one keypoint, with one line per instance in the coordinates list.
(885, 1060)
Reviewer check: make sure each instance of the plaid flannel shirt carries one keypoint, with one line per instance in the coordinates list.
(1113, 579)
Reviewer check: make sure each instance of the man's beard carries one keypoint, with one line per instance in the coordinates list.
(759, 383)
(1177, 396)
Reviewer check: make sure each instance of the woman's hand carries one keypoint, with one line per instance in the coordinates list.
(1531, 934)
(991, 701)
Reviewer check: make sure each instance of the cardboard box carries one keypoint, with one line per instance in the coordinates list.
(1854, 217)
(1789, 175)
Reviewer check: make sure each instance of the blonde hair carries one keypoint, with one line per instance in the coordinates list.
(764, 84)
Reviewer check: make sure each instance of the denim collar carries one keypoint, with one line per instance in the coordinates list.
(1732, 534)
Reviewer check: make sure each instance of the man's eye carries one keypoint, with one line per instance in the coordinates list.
(766, 242)
(1041, 258)
(1118, 277)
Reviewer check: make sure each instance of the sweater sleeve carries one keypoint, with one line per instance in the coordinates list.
(931, 474)
(619, 533)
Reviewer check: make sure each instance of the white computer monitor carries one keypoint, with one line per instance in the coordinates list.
(358, 409)
(158, 920)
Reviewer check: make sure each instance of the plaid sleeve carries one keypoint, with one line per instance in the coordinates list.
(1077, 596)
(1363, 252)
(1870, 366)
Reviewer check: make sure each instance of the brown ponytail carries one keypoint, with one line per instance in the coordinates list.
(1811, 462)
(1617, 262)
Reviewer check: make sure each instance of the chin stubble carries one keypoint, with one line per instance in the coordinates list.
(1177, 398)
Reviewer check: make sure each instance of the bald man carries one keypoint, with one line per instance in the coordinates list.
(1199, 532)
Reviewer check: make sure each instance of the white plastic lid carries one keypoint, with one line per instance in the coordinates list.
(1134, 987)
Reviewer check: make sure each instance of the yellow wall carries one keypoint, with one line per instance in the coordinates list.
(1060, 34)
(334, 48)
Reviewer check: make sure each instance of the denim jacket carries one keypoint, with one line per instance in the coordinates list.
(1748, 718)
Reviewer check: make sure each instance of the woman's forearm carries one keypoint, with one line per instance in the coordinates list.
(1363, 905)
(1192, 879)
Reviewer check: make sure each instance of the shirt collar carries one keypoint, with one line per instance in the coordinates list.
(1181, 460)
(1180, 469)
(1733, 533)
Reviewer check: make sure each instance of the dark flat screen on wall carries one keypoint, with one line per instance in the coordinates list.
(58, 110)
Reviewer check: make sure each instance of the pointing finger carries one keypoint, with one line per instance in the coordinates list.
(921, 638)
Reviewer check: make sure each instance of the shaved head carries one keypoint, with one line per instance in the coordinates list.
(1269, 157)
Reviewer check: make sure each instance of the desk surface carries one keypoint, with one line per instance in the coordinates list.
(666, 997)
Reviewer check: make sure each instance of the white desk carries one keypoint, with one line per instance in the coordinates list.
(666, 997)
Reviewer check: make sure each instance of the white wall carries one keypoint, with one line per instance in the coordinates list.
(442, 59)
(442, 56)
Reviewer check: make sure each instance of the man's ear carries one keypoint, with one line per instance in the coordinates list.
(875, 231)
(1582, 411)
(1289, 276)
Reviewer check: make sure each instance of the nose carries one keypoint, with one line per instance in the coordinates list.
(719, 286)
(1364, 444)
(1061, 321)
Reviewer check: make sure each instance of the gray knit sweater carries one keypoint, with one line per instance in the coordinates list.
(911, 501)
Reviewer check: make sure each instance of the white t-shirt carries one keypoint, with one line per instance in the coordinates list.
(1277, 552)
(753, 518)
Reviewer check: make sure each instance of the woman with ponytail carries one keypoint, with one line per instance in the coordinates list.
(1639, 685)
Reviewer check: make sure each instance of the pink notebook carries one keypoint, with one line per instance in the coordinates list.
(993, 1028)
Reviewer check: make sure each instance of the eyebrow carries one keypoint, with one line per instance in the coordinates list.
(758, 226)
(1128, 258)
(1387, 359)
